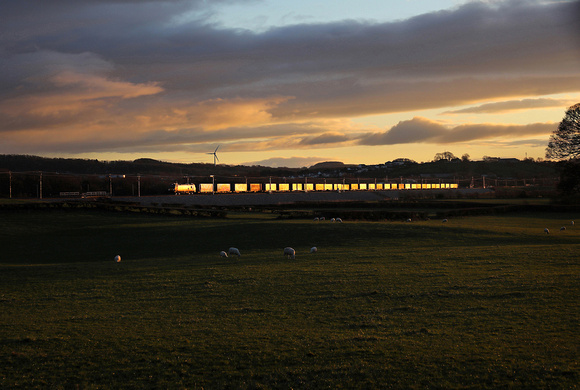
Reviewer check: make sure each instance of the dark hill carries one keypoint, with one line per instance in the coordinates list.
(509, 168)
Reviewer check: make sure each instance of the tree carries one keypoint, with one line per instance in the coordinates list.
(465, 157)
(565, 140)
(447, 156)
(564, 145)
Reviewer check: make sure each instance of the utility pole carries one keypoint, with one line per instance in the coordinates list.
(139, 186)
(10, 183)
(40, 191)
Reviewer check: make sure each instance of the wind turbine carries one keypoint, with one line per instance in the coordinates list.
(215, 157)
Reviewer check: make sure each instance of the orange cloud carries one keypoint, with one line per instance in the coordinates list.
(73, 92)
(225, 113)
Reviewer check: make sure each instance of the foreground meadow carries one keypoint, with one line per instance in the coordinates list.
(478, 302)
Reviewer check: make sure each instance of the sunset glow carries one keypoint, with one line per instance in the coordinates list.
(365, 82)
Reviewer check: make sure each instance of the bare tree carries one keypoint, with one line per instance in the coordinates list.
(565, 140)
(448, 156)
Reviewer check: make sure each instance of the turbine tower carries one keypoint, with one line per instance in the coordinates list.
(215, 157)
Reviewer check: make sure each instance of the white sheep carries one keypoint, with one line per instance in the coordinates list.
(316, 219)
(234, 251)
(289, 252)
(223, 254)
(572, 223)
(313, 249)
(322, 218)
(338, 220)
(118, 258)
(408, 219)
(332, 219)
(445, 220)
(563, 228)
(546, 231)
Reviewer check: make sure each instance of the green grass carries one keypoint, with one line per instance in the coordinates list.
(479, 302)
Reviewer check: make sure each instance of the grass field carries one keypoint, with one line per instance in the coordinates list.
(478, 302)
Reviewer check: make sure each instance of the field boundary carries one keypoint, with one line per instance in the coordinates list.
(348, 209)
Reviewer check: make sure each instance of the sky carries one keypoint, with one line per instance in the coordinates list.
(285, 83)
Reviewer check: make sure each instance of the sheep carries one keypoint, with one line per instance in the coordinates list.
(118, 258)
(546, 231)
(316, 219)
(563, 228)
(445, 220)
(223, 254)
(572, 223)
(289, 253)
(234, 251)
(338, 220)
(332, 220)
(409, 220)
(322, 218)
(313, 249)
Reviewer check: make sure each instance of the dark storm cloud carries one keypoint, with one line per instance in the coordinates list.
(80, 73)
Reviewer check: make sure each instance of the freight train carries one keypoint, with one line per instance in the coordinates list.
(204, 188)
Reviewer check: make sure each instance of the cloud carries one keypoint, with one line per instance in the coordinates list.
(326, 138)
(82, 76)
(513, 105)
(60, 89)
(410, 131)
(289, 162)
(423, 130)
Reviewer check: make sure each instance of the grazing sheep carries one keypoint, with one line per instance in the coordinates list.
(332, 219)
(223, 254)
(409, 220)
(316, 219)
(322, 218)
(118, 258)
(572, 223)
(290, 253)
(234, 251)
(546, 231)
(313, 249)
(445, 220)
(563, 228)
(338, 220)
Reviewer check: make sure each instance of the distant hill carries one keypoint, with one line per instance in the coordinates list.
(330, 165)
(507, 168)
(24, 163)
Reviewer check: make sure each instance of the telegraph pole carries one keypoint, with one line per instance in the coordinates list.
(10, 183)
(40, 192)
